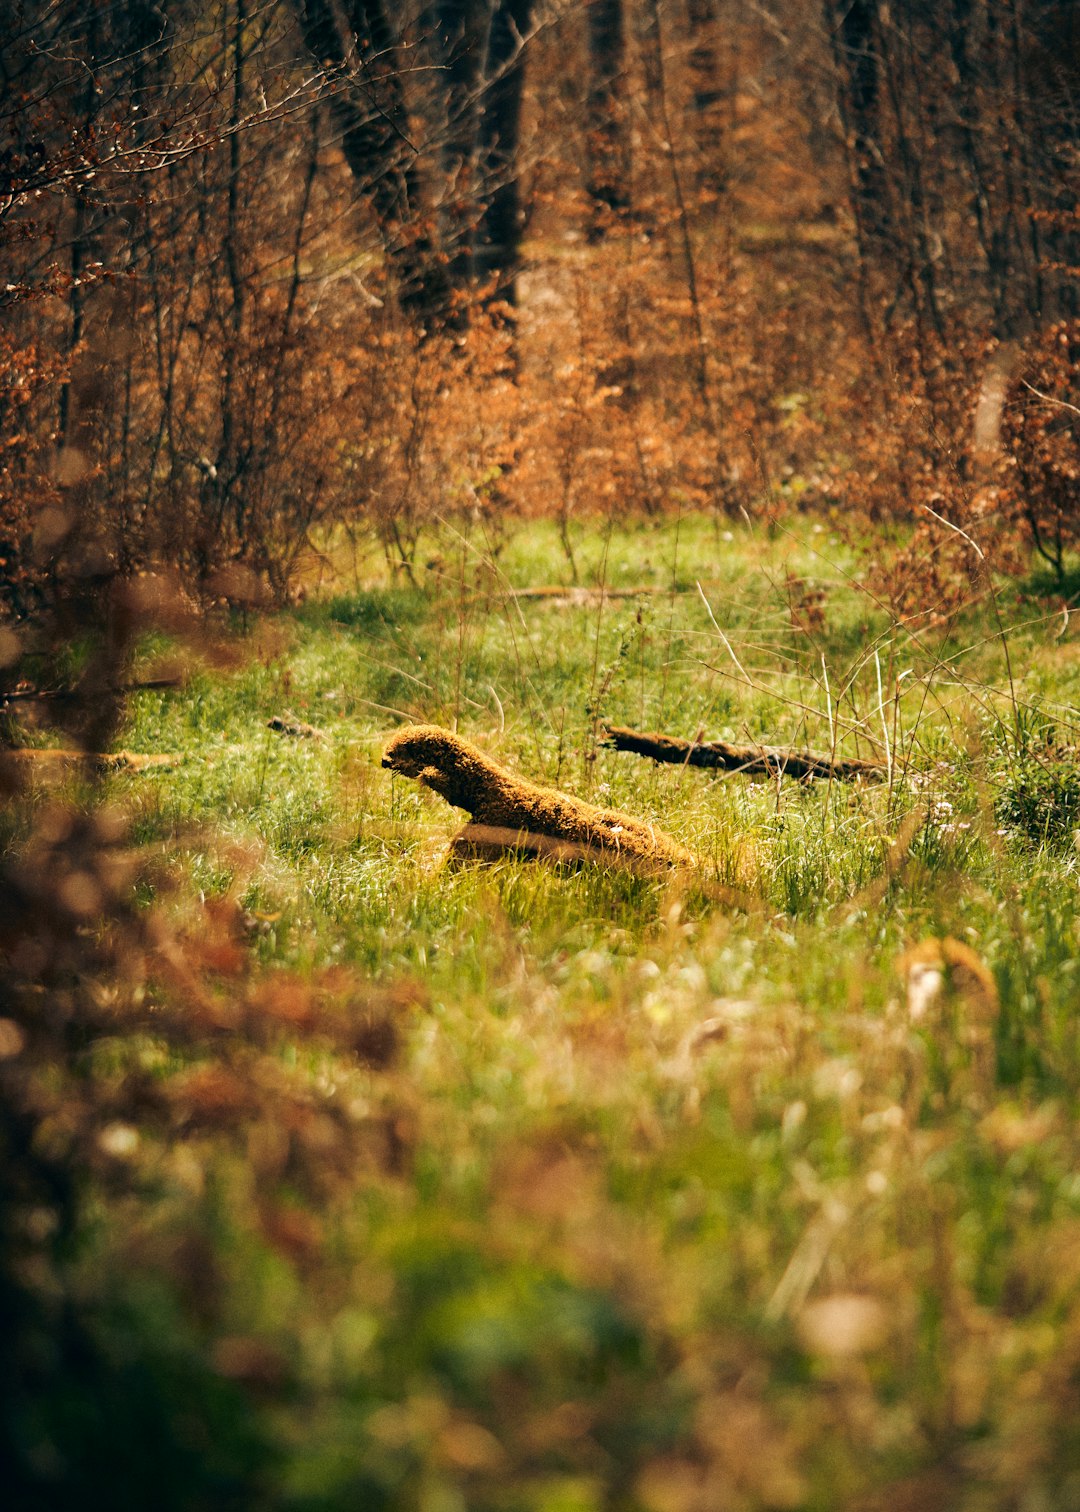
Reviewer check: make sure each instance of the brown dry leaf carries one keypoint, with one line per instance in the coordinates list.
(249, 1361)
(223, 958)
(284, 997)
(12, 1039)
(468, 1446)
(555, 1185)
(295, 1232)
(211, 1095)
(749, 1452)
(671, 1485)
(563, 1424)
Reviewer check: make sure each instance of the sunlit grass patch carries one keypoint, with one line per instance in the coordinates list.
(529, 1185)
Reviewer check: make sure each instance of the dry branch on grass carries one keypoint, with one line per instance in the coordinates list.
(757, 760)
(495, 798)
(578, 594)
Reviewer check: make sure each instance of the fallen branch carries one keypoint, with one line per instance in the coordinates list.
(584, 595)
(580, 594)
(759, 760)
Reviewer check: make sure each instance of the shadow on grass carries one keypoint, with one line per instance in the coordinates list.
(1043, 582)
(370, 609)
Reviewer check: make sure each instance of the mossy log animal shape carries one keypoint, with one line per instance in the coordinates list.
(495, 798)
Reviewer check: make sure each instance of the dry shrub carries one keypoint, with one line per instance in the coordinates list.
(30, 514)
(1003, 492)
(915, 463)
(440, 434)
(1041, 436)
(229, 369)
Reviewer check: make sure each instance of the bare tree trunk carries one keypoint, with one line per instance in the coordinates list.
(229, 465)
(607, 143)
(81, 247)
(708, 96)
(853, 27)
(959, 29)
(498, 243)
(725, 491)
(362, 66)
(915, 161)
(1025, 138)
(461, 33)
(1050, 74)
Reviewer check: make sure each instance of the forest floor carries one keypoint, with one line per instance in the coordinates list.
(752, 1189)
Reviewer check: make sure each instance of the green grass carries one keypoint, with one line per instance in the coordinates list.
(562, 1252)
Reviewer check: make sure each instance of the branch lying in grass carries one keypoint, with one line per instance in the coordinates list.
(758, 760)
(580, 594)
(584, 594)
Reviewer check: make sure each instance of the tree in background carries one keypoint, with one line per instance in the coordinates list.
(606, 125)
(357, 52)
(498, 143)
(956, 119)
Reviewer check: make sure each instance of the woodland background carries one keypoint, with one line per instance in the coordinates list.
(275, 269)
(331, 329)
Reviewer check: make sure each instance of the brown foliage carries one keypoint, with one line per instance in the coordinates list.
(1042, 442)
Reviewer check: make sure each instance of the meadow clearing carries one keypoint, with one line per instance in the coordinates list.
(558, 1188)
